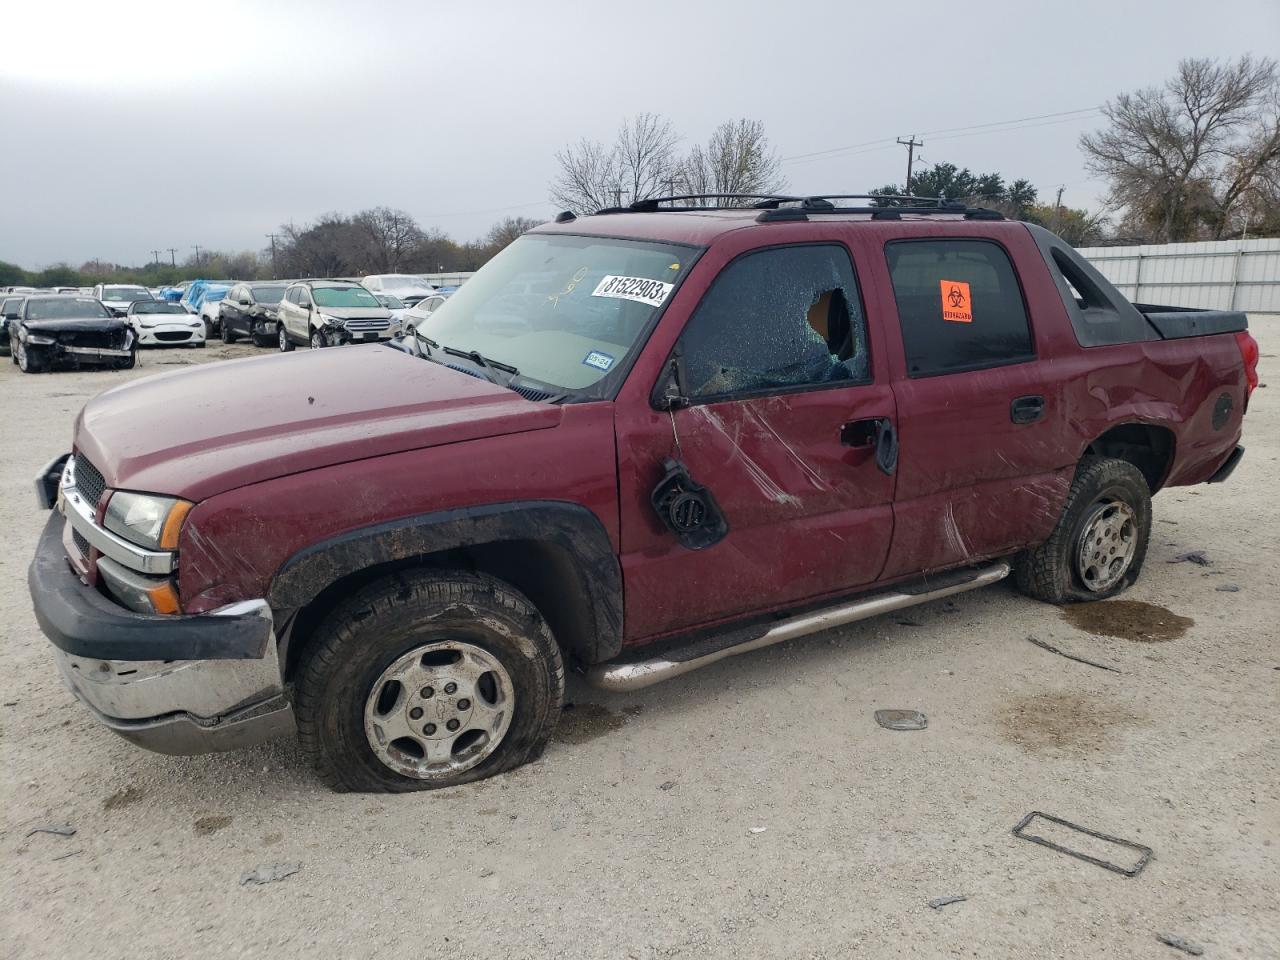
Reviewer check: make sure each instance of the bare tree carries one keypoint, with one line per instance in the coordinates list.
(390, 237)
(508, 229)
(737, 159)
(641, 163)
(1179, 157)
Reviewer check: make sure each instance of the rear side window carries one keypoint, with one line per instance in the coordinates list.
(959, 305)
(774, 319)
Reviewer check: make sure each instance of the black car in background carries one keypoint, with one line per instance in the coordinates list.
(9, 307)
(250, 309)
(48, 331)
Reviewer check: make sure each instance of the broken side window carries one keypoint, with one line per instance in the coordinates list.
(774, 319)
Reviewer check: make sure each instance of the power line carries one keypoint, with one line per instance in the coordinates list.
(1062, 116)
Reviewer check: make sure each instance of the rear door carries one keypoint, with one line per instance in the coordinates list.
(783, 386)
(983, 463)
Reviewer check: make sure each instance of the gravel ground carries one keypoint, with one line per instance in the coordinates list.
(753, 809)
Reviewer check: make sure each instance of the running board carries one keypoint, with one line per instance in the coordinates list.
(625, 677)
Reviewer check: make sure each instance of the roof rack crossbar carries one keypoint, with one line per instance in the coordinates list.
(813, 203)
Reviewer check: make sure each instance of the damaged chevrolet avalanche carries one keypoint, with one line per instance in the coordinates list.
(633, 444)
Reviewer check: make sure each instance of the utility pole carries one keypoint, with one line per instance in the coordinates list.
(155, 256)
(910, 143)
(272, 237)
(617, 196)
(196, 247)
(1057, 204)
(173, 256)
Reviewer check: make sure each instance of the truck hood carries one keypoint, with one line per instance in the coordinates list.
(196, 433)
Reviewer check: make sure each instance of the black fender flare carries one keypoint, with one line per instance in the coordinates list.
(573, 529)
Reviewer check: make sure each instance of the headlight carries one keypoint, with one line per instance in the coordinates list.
(149, 521)
(36, 338)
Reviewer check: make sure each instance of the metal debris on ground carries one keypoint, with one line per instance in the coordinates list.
(901, 719)
(1227, 588)
(1178, 943)
(758, 829)
(1070, 656)
(667, 785)
(73, 853)
(57, 829)
(941, 902)
(1145, 853)
(270, 873)
(1193, 556)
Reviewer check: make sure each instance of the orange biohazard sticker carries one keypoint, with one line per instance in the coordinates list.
(956, 305)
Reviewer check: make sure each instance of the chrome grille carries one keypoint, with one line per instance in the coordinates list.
(81, 543)
(89, 481)
(363, 326)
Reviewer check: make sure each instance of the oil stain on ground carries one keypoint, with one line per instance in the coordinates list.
(122, 798)
(207, 825)
(1128, 620)
(583, 722)
(1063, 723)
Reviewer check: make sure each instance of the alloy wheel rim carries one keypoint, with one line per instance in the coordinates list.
(284, 340)
(1107, 544)
(22, 358)
(439, 710)
(317, 340)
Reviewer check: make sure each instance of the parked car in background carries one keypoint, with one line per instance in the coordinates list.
(328, 313)
(159, 324)
(397, 306)
(9, 307)
(201, 297)
(116, 297)
(405, 286)
(251, 310)
(419, 312)
(57, 330)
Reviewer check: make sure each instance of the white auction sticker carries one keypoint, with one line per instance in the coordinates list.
(639, 289)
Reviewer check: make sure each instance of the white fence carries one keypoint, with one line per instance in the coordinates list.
(1218, 275)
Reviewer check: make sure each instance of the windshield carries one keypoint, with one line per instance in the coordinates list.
(154, 307)
(126, 293)
(344, 297)
(564, 310)
(268, 294)
(66, 308)
(401, 282)
(390, 302)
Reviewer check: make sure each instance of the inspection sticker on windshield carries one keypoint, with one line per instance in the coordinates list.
(639, 289)
(601, 361)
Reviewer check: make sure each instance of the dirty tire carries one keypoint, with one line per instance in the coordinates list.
(128, 363)
(1050, 572)
(261, 341)
(227, 335)
(367, 633)
(282, 339)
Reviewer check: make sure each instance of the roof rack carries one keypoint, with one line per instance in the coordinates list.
(781, 207)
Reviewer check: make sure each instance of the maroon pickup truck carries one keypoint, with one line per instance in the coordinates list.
(634, 443)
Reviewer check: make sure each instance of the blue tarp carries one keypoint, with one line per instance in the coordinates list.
(171, 294)
(202, 290)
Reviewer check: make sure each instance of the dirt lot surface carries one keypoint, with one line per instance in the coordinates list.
(753, 809)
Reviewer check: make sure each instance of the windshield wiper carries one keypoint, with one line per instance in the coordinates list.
(480, 360)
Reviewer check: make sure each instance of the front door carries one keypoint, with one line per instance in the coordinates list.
(784, 401)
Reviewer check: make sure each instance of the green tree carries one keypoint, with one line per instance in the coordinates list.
(12, 275)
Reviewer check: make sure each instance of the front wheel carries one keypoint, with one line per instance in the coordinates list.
(129, 362)
(282, 338)
(1098, 547)
(317, 340)
(428, 679)
(26, 362)
(227, 335)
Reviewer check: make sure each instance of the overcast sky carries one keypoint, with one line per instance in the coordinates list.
(130, 126)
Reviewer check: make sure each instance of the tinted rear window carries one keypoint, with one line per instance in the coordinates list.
(959, 305)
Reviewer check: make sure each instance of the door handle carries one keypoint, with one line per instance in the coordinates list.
(1026, 409)
(874, 432)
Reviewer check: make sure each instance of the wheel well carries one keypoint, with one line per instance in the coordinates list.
(543, 572)
(1148, 448)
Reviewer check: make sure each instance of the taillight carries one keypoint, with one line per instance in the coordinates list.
(1249, 354)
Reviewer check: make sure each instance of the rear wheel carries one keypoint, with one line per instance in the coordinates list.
(1098, 547)
(227, 335)
(428, 679)
(283, 340)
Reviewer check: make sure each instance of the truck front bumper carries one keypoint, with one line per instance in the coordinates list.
(180, 684)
